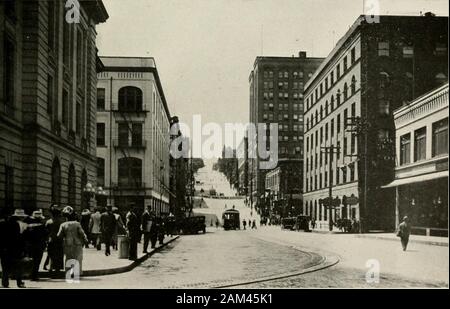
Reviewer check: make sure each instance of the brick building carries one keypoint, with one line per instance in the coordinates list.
(47, 103)
(373, 69)
(276, 96)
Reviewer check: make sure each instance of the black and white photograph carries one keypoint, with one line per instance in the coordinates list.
(223, 145)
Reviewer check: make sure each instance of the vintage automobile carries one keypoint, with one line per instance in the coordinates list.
(302, 223)
(288, 223)
(193, 225)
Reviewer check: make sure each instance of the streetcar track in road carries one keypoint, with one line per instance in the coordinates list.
(315, 263)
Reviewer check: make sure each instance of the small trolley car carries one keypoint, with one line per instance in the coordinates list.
(231, 220)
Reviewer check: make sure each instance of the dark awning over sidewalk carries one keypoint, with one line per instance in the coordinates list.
(416, 179)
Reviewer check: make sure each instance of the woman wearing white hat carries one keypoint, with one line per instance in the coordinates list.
(73, 236)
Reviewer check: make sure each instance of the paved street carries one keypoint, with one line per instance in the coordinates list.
(232, 258)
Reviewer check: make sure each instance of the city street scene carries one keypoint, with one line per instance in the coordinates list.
(193, 144)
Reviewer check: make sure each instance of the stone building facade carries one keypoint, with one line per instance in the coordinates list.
(133, 134)
(47, 103)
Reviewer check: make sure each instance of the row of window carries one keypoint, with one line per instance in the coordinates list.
(125, 131)
(321, 212)
(71, 184)
(407, 50)
(329, 106)
(281, 117)
(284, 85)
(130, 99)
(329, 81)
(322, 134)
(283, 106)
(439, 143)
(341, 175)
(283, 96)
(284, 74)
(129, 172)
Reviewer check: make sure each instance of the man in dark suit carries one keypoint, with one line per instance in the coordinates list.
(134, 232)
(108, 226)
(146, 225)
(12, 247)
(404, 230)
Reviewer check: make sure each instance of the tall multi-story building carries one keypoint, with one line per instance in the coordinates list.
(133, 134)
(179, 169)
(375, 68)
(47, 103)
(242, 157)
(276, 96)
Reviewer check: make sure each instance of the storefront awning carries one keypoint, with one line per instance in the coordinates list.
(415, 179)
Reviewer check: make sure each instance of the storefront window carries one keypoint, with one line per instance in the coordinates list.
(440, 137)
(405, 149)
(420, 138)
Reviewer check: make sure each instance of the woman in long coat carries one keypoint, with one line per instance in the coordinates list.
(74, 237)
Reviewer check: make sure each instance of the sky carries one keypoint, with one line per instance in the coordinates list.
(205, 49)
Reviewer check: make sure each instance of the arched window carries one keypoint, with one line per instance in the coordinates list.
(317, 117)
(130, 172)
(332, 103)
(321, 112)
(130, 99)
(345, 91)
(338, 98)
(440, 79)
(56, 182)
(353, 86)
(326, 108)
(84, 180)
(72, 186)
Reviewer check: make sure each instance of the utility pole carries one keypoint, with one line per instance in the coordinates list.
(330, 150)
(360, 126)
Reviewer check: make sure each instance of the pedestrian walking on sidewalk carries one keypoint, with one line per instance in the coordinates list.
(146, 224)
(217, 223)
(107, 227)
(36, 235)
(244, 223)
(154, 230)
(12, 247)
(85, 219)
(120, 228)
(74, 238)
(134, 233)
(254, 224)
(55, 248)
(95, 230)
(404, 230)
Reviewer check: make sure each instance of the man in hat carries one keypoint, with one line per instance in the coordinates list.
(36, 235)
(108, 226)
(134, 232)
(146, 225)
(55, 249)
(94, 227)
(12, 246)
(404, 230)
(85, 219)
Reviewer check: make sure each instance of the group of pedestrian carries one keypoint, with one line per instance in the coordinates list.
(24, 239)
(152, 227)
(251, 224)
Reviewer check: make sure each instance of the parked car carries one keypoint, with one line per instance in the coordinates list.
(302, 223)
(193, 225)
(288, 223)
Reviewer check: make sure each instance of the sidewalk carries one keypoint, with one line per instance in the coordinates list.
(422, 262)
(418, 239)
(95, 263)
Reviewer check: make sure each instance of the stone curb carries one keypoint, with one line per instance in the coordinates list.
(415, 241)
(117, 270)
